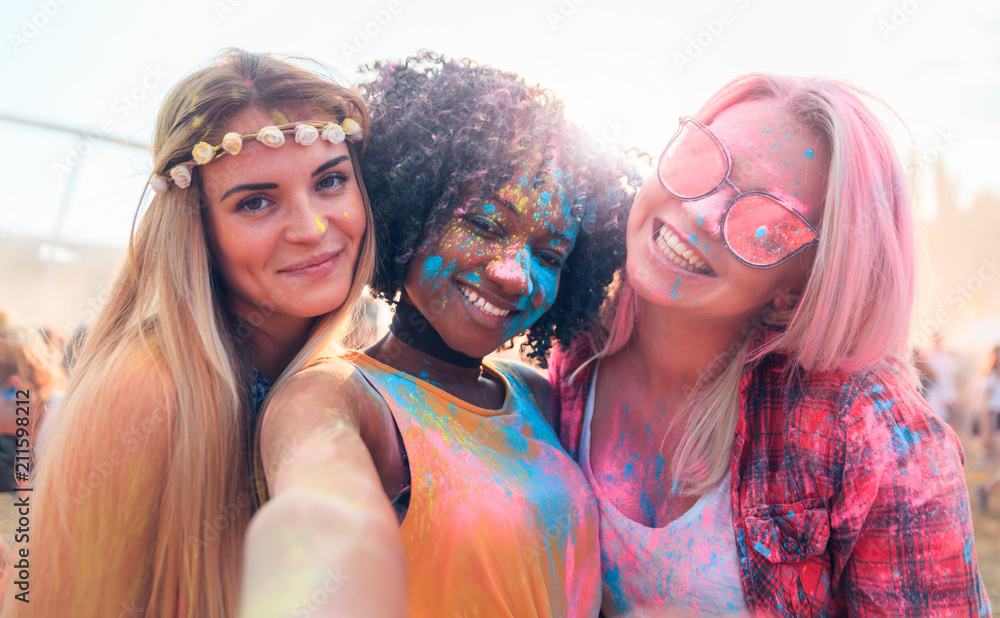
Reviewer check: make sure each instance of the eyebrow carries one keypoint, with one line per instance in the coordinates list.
(271, 185)
(559, 235)
(331, 163)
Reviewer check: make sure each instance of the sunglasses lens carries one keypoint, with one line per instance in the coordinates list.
(692, 165)
(762, 232)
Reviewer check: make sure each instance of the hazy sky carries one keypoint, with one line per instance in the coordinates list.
(625, 68)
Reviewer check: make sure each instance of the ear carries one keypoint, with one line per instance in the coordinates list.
(786, 298)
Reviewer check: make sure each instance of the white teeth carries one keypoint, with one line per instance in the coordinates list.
(480, 302)
(679, 253)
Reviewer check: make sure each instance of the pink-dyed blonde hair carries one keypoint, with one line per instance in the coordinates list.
(855, 308)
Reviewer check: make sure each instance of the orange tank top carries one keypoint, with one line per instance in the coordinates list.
(501, 522)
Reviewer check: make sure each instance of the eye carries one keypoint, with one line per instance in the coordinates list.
(333, 180)
(254, 204)
(552, 259)
(484, 226)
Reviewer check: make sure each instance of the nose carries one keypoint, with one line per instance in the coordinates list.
(304, 223)
(706, 214)
(512, 270)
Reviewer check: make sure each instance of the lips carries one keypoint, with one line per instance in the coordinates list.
(684, 255)
(485, 307)
(313, 263)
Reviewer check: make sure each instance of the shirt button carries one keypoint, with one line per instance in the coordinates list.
(789, 544)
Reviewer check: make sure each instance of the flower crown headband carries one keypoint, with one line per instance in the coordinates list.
(272, 136)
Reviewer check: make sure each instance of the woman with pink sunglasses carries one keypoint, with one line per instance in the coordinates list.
(747, 416)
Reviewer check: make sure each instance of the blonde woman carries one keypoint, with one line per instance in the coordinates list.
(245, 265)
(750, 426)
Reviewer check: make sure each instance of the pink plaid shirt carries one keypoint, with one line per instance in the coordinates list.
(848, 493)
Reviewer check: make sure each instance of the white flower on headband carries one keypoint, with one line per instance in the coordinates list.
(203, 153)
(333, 133)
(352, 128)
(305, 134)
(232, 143)
(271, 136)
(181, 175)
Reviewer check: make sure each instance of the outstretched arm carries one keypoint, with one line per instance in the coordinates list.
(327, 543)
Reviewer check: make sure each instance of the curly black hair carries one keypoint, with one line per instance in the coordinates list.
(440, 127)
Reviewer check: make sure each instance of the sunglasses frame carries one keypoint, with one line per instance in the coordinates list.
(739, 195)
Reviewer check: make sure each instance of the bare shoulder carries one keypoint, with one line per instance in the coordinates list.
(538, 384)
(331, 389)
(320, 407)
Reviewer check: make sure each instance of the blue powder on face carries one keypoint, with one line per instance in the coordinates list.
(809, 153)
(694, 239)
(677, 286)
(767, 129)
(701, 218)
(544, 200)
(761, 231)
(431, 268)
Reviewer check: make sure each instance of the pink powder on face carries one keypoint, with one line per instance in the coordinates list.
(509, 269)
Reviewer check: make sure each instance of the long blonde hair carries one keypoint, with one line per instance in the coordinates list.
(167, 314)
(856, 305)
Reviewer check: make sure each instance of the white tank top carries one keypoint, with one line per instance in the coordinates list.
(687, 568)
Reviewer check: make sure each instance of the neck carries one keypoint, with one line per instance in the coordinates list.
(275, 343)
(413, 346)
(410, 326)
(672, 351)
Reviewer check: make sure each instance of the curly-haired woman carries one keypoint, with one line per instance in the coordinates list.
(494, 217)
